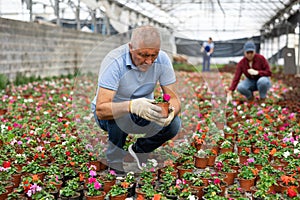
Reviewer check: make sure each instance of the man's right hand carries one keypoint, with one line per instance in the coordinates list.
(144, 108)
(229, 97)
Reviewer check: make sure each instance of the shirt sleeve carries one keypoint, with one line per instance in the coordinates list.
(237, 76)
(264, 69)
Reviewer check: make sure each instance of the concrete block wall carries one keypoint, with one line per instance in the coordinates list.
(36, 49)
(45, 50)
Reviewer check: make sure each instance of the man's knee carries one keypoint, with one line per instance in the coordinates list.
(240, 88)
(264, 82)
(174, 127)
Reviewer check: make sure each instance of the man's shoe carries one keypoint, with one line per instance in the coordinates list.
(138, 158)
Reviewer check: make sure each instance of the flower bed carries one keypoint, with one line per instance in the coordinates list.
(48, 138)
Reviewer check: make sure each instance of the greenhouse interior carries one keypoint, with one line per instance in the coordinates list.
(150, 99)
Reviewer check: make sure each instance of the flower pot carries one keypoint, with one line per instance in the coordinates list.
(9, 186)
(97, 163)
(171, 197)
(119, 197)
(199, 190)
(211, 160)
(243, 159)
(3, 196)
(181, 171)
(246, 184)
(200, 162)
(140, 194)
(75, 197)
(98, 197)
(224, 150)
(108, 184)
(16, 179)
(229, 179)
(164, 108)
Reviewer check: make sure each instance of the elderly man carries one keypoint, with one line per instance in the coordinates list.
(123, 103)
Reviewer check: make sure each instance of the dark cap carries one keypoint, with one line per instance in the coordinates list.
(249, 46)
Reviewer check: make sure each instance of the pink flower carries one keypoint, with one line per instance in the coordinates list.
(260, 112)
(166, 97)
(97, 185)
(93, 173)
(112, 172)
(178, 181)
(250, 160)
(92, 180)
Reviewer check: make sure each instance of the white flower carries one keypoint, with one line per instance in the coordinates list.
(153, 161)
(191, 197)
(60, 114)
(296, 151)
(286, 154)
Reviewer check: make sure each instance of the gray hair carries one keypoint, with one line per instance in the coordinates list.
(148, 36)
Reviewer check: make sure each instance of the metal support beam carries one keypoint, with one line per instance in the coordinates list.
(78, 27)
(57, 12)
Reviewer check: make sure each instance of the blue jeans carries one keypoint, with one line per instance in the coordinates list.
(206, 63)
(118, 130)
(248, 86)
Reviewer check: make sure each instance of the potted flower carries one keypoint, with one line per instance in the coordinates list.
(211, 156)
(201, 159)
(3, 192)
(145, 192)
(95, 189)
(34, 168)
(226, 146)
(288, 181)
(163, 102)
(117, 192)
(129, 183)
(68, 193)
(198, 185)
(291, 193)
(185, 167)
(235, 192)
(266, 182)
(247, 177)
(211, 190)
(109, 179)
(226, 169)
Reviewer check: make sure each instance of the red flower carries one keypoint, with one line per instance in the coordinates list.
(9, 128)
(6, 164)
(68, 153)
(36, 156)
(291, 192)
(217, 181)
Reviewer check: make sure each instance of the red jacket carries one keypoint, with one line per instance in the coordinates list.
(259, 63)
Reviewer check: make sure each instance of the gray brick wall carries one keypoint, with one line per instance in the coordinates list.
(44, 50)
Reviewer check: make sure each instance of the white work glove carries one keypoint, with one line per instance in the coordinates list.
(252, 72)
(144, 108)
(229, 97)
(165, 121)
(208, 54)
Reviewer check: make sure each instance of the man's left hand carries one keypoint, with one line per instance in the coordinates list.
(252, 72)
(165, 121)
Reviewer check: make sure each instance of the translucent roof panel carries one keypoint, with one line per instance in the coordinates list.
(221, 19)
(192, 19)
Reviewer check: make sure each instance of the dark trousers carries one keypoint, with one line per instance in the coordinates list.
(118, 130)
